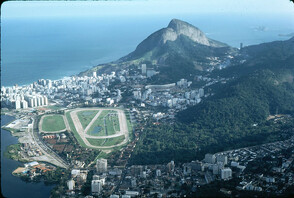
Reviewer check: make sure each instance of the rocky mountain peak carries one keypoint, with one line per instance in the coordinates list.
(177, 27)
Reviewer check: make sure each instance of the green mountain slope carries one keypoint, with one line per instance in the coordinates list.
(235, 116)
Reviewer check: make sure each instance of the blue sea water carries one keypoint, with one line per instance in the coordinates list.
(52, 48)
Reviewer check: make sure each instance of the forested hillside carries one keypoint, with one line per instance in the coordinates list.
(235, 116)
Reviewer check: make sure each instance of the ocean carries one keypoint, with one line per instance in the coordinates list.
(51, 48)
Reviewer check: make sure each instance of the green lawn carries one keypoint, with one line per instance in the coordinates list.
(53, 123)
(114, 141)
(100, 123)
(106, 142)
(85, 117)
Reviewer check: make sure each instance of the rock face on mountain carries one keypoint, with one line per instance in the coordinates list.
(176, 30)
(177, 27)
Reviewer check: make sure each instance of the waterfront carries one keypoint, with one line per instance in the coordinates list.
(9, 182)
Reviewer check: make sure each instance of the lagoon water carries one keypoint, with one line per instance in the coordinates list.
(52, 48)
(11, 186)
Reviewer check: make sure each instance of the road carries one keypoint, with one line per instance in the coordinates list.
(49, 155)
(82, 133)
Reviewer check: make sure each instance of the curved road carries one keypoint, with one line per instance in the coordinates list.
(82, 133)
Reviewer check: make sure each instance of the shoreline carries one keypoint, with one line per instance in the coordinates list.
(11, 152)
(12, 133)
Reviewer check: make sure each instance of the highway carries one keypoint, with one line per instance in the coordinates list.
(51, 156)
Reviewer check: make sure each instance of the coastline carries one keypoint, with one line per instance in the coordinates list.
(13, 147)
(11, 162)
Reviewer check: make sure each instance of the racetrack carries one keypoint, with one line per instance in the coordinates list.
(83, 133)
(59, 131)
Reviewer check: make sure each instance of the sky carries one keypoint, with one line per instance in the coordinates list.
(16, 9)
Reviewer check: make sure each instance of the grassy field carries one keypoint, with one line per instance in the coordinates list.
(112, 123)
(106, 118)
(85, 117)
(53, 123)
(106, 142)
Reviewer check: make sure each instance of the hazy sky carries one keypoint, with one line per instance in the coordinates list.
(142, 7)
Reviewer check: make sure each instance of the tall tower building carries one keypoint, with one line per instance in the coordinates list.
(95, 74)
(96, 187)
(144, 69)
(209, 158)
(101, 165)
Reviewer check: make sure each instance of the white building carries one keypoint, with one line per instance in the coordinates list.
(158, 172)
(201, 92)
(209, 158)
(75, 172)
(226, 173)
(71, 184)
(96, 187)
(101, 165)
(222, 158)
(137, 94)
(45, 101)
(95, 74)
(24, 104)
(144, 69)
(132, 193)
(17, 104)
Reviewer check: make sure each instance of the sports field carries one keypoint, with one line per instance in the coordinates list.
(85, 117)
(101, 128)
(106, 124)
(52, 123)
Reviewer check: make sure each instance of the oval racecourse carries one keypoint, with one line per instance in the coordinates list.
(53, 123)
(101, 128)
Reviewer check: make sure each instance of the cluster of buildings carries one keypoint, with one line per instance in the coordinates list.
(168, 180)
(18, 97)
(77, 180)
(33, 169)
(276, 162)
(68, 90)
(169, 95)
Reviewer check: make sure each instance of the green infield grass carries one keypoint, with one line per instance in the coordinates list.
(106, 124)
(106, 142)
(86, 117)
(53, 123)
